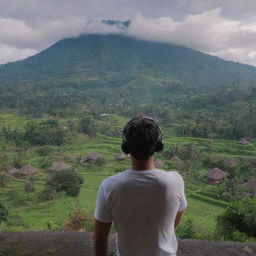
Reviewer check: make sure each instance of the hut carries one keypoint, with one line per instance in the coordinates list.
(215, 176)
(59, 166)
(159, 164)
(26, 171)
(12, 171)
(122, 157)
(177, 162)
(251, 187)
(231, 162)
(244, 141)
(90, 158)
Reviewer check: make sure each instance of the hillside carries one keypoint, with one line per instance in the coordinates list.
(117, 69)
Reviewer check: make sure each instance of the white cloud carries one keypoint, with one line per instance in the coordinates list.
(214, 27)
(208, 32)
(9, 54)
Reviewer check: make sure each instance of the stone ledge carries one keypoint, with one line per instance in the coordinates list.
(45, 243)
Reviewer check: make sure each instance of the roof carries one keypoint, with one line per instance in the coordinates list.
(251, 185)
(13, 170)
(244, 141)
(176, 159)
(159, 164)
(216, 174)
(59, 166)
(28, 169)
(231, 162)
(122, 156)
(90, 158)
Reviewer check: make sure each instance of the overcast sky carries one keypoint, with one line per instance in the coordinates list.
(224, 28)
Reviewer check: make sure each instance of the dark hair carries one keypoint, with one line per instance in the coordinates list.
(142, 137)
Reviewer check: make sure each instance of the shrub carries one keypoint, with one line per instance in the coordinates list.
(88, 126)
(66, 180)
(78, 218)
(187, 230)
(44, 150)
(47, 194)
(238, 220)
(101, 161)
(3, 213)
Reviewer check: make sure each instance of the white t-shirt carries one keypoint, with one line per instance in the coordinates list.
(143, 206)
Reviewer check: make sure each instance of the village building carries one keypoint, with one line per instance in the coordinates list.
(251, 187)
(13, 171)
(122, 157)
(231, 162)
(215, 176)
(159, 164)
(244, 141)
(177, 162)
(59, 166)
(25, 172)
(90, 158)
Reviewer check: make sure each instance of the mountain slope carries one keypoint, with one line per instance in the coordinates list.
(104, 66)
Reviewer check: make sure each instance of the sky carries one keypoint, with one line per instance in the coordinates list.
(223, 28)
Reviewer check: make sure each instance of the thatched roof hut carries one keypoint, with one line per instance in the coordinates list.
(90, 158)
(122, 157)
(12, 171)
(159, 164)
(28, 170)
(59, 166)
(177, 162)
(215, 175)
(251, 186)
(24, 172)
(231, 162)
(244, 141)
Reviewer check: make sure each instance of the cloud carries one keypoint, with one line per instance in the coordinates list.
(208, 32)
(9, 54)
(223, 28)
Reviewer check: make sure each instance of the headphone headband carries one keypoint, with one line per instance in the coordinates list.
(147, 118)
(158, 145)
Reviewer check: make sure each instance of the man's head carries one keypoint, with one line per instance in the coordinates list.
(142, 137)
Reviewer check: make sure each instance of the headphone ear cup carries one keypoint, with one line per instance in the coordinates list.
(159, 146)
(125, 148)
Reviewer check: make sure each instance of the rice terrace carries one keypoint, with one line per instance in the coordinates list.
(62, 112)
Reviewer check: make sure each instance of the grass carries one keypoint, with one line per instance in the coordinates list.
(37, 215)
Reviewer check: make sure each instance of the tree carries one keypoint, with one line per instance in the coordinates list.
(4, 177)
(3, 213)
(29, 185)
(238, 220)
(88, 126)
(66, 180)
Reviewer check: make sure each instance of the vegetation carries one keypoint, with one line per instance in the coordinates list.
(238, 222)
(66, 180)
(3, 213)
(61, 110)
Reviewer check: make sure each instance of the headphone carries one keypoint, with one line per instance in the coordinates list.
(159, 145)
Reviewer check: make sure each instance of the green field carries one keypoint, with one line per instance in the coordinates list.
(36, 216)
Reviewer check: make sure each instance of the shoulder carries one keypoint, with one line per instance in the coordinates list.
(114, 180)
(171, 178)
(173, 174)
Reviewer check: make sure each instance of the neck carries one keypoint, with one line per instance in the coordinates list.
(140, 165)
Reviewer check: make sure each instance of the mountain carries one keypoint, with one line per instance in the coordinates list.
(117, 69)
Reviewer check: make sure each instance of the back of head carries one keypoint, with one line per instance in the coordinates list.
(142, 137)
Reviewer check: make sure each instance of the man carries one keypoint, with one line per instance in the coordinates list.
(145, 203)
